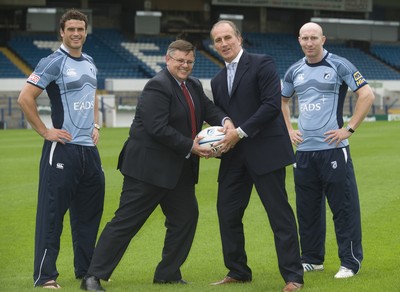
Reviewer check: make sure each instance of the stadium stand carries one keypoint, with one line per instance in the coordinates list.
(285, 50)
(112, 60)
(388, 53)
(141, 57)
(114, 55)
(372, 68)
(8, 69)
(151, 50)
(118, 57)
(26, 47)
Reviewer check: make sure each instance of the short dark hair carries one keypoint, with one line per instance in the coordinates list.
(73, 14)
(181, 45)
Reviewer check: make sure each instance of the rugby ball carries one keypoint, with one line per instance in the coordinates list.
(211, 135)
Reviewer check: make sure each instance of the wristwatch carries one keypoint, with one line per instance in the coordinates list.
(348, 128)
(97, 126)
(240, 133)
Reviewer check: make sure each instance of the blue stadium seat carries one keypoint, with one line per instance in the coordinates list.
(8, 69)
(388, 53)
(26, 49)
(119, 57)
(371, 68)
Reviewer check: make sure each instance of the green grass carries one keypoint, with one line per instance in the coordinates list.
(375, 150)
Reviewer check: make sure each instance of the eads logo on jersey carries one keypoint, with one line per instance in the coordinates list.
(358, 78)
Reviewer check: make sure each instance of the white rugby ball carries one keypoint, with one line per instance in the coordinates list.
(211, 135)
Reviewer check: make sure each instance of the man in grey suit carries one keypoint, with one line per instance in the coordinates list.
(160, 164)
(250, 94)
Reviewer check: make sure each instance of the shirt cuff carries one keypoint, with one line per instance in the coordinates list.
(188, 156)
(243, 132)
(224, 119)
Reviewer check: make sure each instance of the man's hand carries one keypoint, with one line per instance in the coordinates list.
(336, 136)
(57, 135)
(227, 143)
(219, 147)
(295, 137)
(95, 136)
(200, 150)
(228, 125)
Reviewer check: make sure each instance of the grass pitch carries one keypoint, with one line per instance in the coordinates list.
(375, 149)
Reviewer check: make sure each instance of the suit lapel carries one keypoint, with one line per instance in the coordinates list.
(224, 77)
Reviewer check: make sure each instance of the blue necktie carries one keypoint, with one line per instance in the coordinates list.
(231, 68)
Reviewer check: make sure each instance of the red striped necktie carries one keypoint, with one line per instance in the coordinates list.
(191, 108)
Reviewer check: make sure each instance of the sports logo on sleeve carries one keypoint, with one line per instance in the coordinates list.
(33, 78)
(358, 78)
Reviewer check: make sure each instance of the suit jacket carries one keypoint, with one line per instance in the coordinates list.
(160, 135)
(255, 106)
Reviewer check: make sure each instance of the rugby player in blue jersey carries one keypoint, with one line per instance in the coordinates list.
(71, 176)
(324, 167)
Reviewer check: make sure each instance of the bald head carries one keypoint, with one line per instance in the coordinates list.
(311, 26)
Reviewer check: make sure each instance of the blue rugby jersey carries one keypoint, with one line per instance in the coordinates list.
(71, 86)
(321, 89)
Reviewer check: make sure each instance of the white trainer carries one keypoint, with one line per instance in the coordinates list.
(312, 267)
(344, 273)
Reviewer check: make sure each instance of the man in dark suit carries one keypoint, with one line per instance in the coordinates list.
(261, 151)
(160, 164)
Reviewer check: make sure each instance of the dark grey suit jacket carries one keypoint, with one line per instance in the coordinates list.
(255, 106)
(160, 135)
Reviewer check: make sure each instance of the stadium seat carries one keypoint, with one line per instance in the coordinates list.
(8, 69)
(119, 57)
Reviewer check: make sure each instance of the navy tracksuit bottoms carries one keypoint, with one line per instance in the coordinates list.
(328, 174)
(71, 178)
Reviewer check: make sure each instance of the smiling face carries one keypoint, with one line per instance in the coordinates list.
(74, 36)
(227, 41)
(311, 40)
(180, 64)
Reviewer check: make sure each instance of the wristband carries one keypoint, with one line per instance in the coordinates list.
(348, 128)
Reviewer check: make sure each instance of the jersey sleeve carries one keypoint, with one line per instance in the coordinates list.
(350, 75)
(46, 71)
(287, 84)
